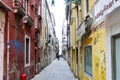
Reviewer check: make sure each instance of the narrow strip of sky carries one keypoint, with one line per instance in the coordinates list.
(57, 7)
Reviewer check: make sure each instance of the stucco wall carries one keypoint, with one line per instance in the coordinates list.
(112, 28)
(2, 24)
(99, 55)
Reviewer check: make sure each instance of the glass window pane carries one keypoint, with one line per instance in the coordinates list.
(117, 58)
(27, 50)
(88, 59)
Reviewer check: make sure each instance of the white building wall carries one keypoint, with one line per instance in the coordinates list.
(108, 11)
(112, 28)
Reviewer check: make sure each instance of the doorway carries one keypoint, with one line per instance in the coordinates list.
(76, 62)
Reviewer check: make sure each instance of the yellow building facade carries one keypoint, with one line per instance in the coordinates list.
(73, 38)
(88, 49)
(95, 40)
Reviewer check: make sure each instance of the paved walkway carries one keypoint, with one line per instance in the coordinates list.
(57, 70)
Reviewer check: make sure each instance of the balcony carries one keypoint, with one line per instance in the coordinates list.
(5, 7)
(18, 7)
(27, 20)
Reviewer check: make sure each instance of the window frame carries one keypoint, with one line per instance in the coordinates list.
(86, 7)
(88, 73)
(27, 64)
(113, 47)
(39, 39)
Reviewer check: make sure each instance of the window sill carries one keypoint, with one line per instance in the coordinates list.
(89, 76)
(26, 65)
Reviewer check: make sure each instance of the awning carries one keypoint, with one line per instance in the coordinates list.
(4, 5)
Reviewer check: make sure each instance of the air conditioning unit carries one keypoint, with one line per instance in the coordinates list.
(25, 19)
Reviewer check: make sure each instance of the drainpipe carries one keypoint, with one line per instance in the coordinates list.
(8, 47)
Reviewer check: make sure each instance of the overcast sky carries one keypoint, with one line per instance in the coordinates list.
(59, 12)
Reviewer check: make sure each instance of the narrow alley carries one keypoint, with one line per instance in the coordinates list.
(85, 34)
(57, 70)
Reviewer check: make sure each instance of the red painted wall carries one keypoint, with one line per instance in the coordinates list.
(17, 45)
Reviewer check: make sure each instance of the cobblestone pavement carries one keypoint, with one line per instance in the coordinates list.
(57, 70)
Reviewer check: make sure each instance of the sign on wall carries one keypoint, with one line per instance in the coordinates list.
(104, 7)
(81, 30)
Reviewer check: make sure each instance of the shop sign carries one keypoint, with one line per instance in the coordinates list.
(103, 7)
(81, 30)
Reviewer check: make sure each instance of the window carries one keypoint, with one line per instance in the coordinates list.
(53, 3)
(28, 8)
(80, 56)
(38, 59)
(77, 55)
(68, 0)
(116, 57)
(39, 43)
(77, 19)
(27, 51)
(26, 5)
(88, 60)
(86, 6)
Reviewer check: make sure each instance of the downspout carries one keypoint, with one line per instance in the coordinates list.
(69, 24)
(8, 47)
